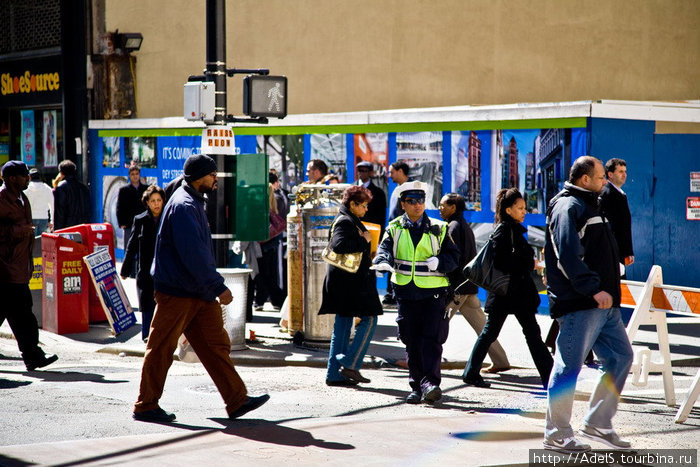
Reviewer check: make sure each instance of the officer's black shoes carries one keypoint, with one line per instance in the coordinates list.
(414, 397)
(433, 394)
(251, 403)
(476, 381)
(41, 362)
(354, 375)
(341, 382)
(156, 415)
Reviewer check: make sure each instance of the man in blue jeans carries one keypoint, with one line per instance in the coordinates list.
(583, 283)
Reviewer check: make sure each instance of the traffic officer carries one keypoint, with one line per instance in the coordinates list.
(419, 253)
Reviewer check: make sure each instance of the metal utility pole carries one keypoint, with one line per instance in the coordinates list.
(216, 71)
(264, 96)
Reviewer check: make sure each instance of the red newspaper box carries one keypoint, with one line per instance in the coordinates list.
(95, 237)
(66, 281)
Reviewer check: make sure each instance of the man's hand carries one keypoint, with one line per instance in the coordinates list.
(433, 262)
(367, 236)
(604, 299)
(385, 267)
(226, 297)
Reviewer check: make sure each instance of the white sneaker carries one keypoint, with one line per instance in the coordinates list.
(566, 445)
(607, 437)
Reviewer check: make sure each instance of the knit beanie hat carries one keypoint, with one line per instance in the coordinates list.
(198, 166)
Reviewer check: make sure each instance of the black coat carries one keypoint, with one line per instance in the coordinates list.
(129, 203)
(71, 203)
(463, 236)
(344, 293)
(614, 206)
(517, 258)
(376, 210)
(140, 249)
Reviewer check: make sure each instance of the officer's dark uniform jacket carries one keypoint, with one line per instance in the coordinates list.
(580, 252)
(412, 279)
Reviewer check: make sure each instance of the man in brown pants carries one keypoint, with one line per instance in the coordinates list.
(187, 286)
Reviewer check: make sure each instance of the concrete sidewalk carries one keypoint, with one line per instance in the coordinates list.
(470, 427)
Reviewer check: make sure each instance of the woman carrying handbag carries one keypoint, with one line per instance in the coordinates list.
(515, 257)
(349, 294)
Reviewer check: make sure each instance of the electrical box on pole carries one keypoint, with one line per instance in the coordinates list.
(199, 101)
(265, 96)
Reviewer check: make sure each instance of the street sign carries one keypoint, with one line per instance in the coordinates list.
(218, 139)
(265, 96)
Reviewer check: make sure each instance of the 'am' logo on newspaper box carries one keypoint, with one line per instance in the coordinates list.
(72, 285)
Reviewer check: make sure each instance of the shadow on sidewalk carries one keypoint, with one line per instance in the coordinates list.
(64, 376)
(265, 431)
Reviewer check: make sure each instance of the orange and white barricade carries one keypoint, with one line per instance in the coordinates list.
(651, 301)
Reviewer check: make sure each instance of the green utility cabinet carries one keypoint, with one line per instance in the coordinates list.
(247, 196)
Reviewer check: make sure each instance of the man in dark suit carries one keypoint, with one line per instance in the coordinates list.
(614, 206)
(129, 202)
(376, 212)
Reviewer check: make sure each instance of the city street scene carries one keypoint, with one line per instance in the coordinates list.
(430, 233)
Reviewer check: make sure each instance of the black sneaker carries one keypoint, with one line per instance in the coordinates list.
(156, 415)
(476, 381)
(250, 404)
(414, 397)
(433, 394)
(45, 360)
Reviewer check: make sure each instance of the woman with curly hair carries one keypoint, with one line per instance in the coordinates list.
(347, 294)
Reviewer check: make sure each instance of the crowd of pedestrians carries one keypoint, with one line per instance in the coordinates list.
(169, 250)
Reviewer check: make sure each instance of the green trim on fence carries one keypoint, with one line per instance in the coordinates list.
(534, 124)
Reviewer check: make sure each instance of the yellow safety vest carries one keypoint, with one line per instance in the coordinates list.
(409, 260)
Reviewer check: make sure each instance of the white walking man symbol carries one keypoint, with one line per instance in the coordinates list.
(274, 94)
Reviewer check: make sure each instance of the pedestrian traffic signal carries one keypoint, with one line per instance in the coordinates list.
(265, 96)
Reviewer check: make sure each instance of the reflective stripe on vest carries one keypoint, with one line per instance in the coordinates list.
(409, 260)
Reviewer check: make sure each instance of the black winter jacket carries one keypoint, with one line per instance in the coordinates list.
(345, 293)
(129, 203)
(141, 247)
(580, 252)
(463, 236)
(615, 208)
(71, 203)
(514, 256)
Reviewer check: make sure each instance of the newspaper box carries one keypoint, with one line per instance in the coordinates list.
(95, 237)
(64, 298)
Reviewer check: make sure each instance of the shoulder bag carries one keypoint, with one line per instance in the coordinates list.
(349, 262)
(482, 272)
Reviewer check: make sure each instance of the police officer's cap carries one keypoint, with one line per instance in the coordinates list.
(413, 189)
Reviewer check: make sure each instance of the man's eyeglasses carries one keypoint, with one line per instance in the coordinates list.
(412, 201)
(364, 169)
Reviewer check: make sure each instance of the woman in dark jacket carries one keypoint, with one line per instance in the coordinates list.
(513, 255)
(140, 247)
(348, 294)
